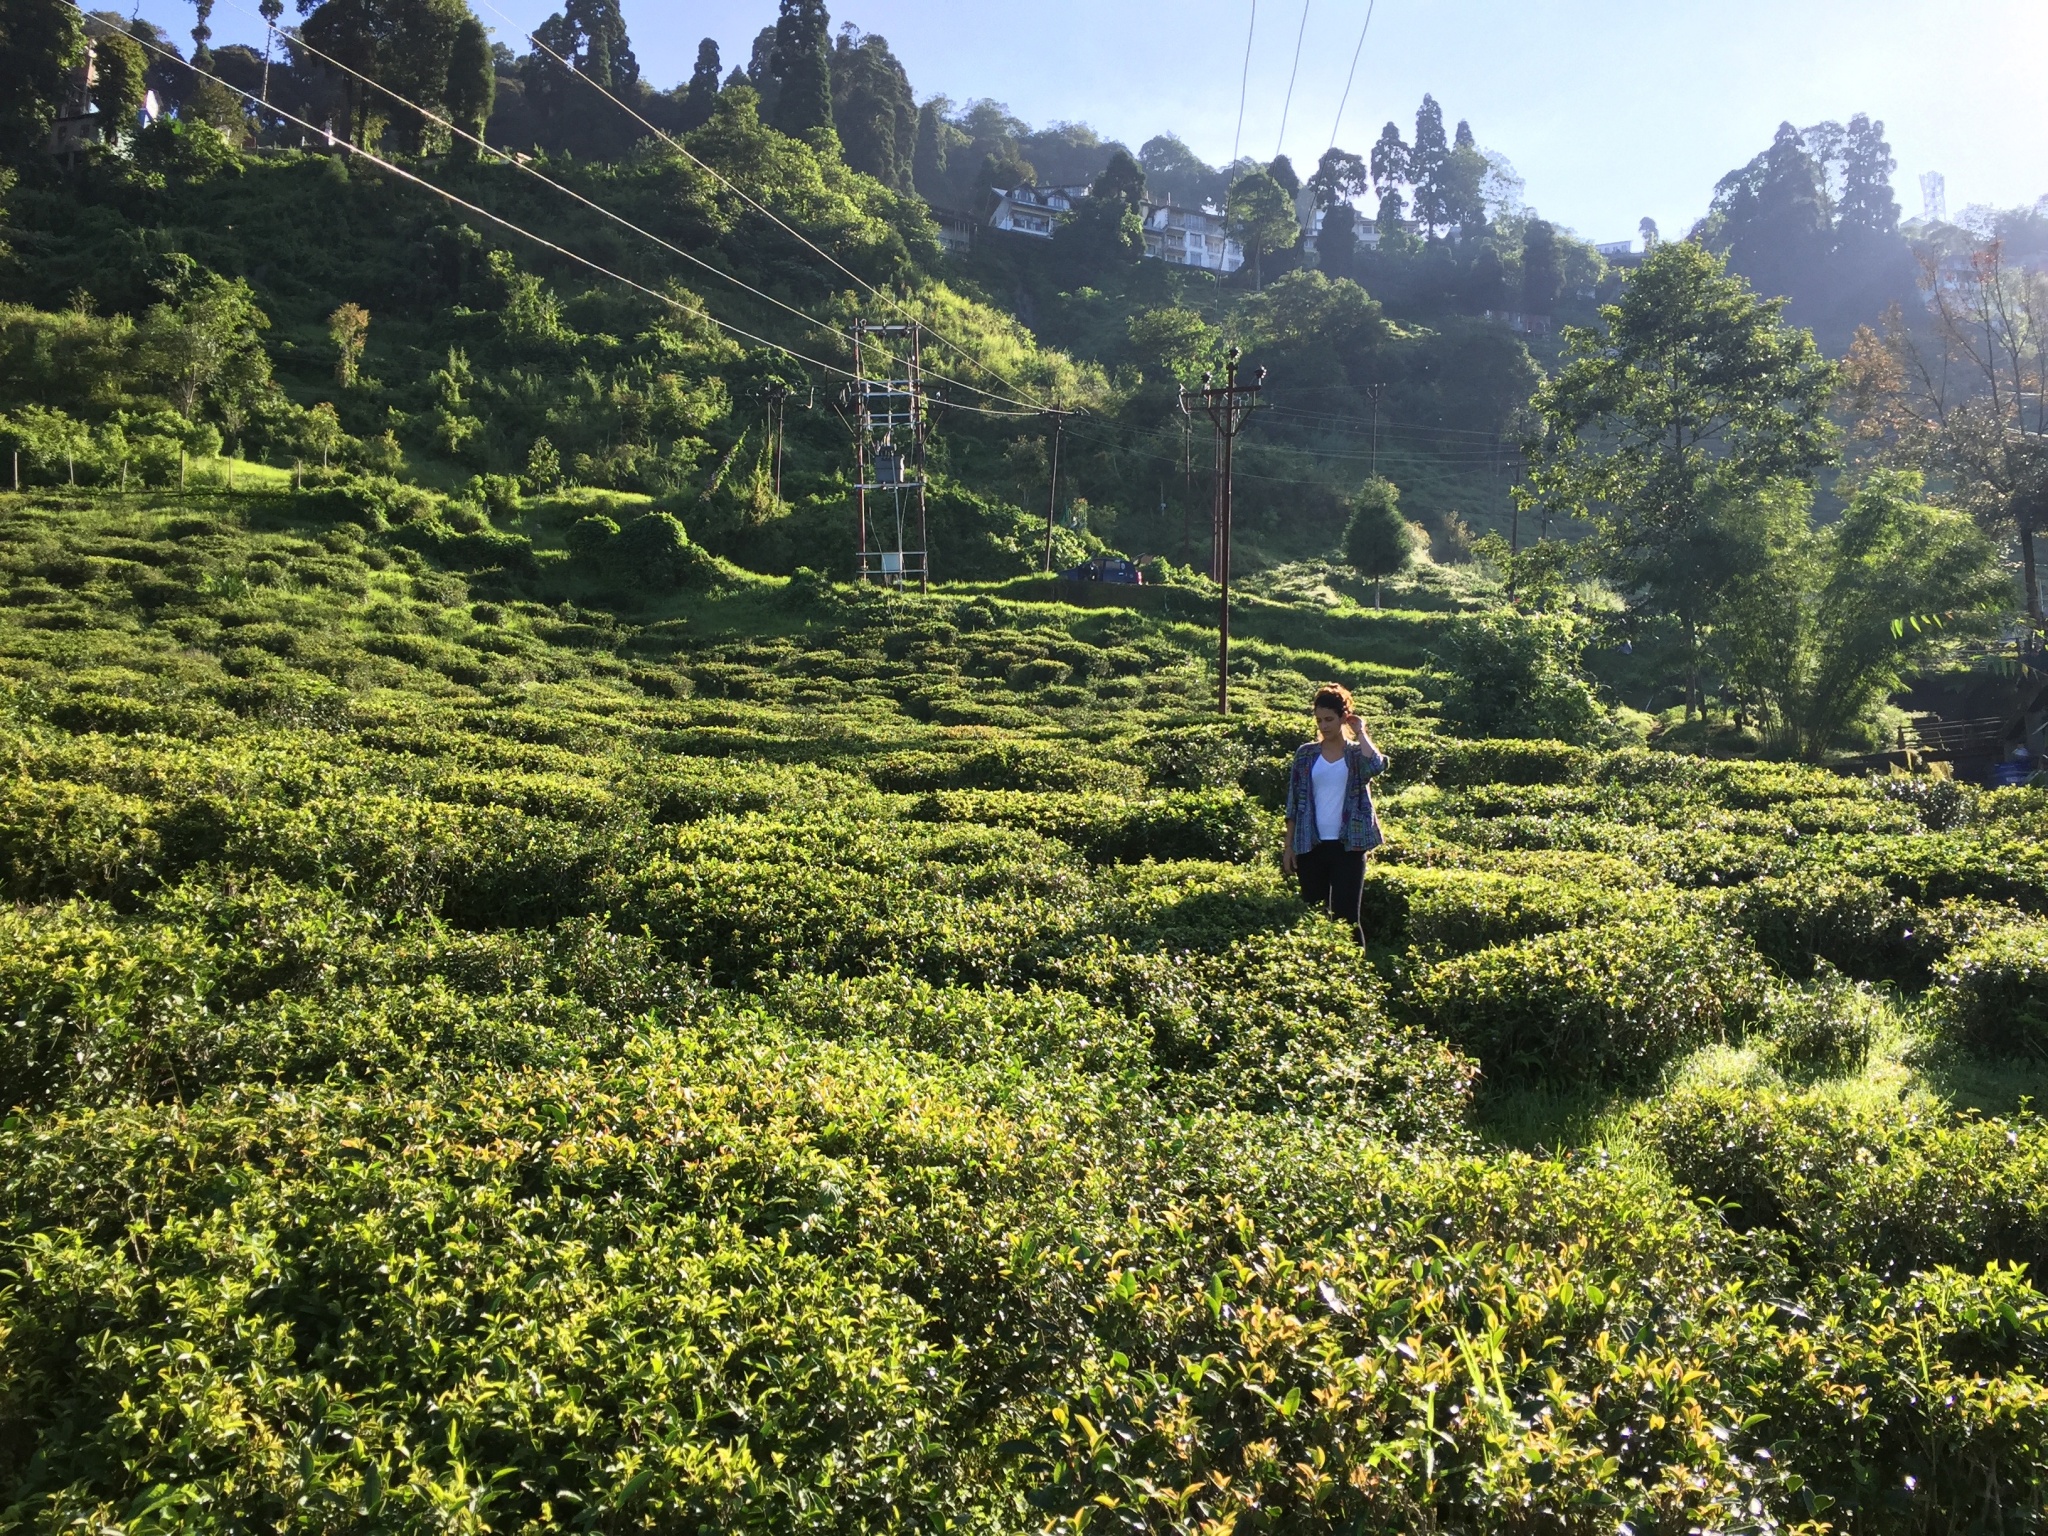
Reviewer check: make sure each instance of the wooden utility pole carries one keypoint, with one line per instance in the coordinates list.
(1373, 393)
(1228, 409)
(1058, 418)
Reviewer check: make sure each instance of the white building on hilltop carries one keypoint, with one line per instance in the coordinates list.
(1187, 237)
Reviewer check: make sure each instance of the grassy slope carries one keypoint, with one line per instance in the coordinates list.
(497, 1050)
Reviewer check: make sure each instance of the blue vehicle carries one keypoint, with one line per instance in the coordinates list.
(1109, 568)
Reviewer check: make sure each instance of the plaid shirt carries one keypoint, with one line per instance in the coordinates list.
(1361, 822)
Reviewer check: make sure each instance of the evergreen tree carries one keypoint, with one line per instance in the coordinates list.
(1464, 184)
(604, 53)
(1542, 268)
(701, 95)
(1389, 169)
(764, 74)
(1122, 182)
(1668, 424)
(1337, 244)
(472, 85)
(802, 64)
(1866, 206)
(202, 33)
(1339, 177)
(1172, 170)
(1377, 543)
(1108, 228)
(1648, 230)
(874, 110)
(120, 73)
(1262, 218)
(1428, 160)
(1771, 217)
(1282, 170)
(928, 166)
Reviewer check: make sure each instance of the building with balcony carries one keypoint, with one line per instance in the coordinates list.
(1188, 237)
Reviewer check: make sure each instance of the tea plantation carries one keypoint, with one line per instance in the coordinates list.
(495, 1050)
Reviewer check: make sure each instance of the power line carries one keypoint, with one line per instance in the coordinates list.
(566, 191)
(485, 213)
(1244, 85)
(860, 282)
(1292, 75)
(1357, 53)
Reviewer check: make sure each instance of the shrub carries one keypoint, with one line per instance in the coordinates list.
(589, 537)
(1454, 911)
(1460, 764)
(1850, 921)
(1608, 1005)
(1511, 674)
(1824, 1028)
(1867, 1184)
(1995, 989)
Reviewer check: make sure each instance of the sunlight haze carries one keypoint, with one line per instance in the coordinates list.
(1610, 111)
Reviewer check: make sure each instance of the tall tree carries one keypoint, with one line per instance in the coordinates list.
(1337, 242)
(120, 80)
(472, 84)
(1969, 404)
(40, 41)
(1771, 217)
(1542, 267)
(1339, 177)
(604, 52)
(1282, 170)
(1428, 160)
(1109, 227)
(802, 63)
(1866, 206)
(1174, 171)
(874, 110)
(700, 97)
(1261, 216)
(1377, 543)
(930, 159)
(405, 44)
(1390, 156)
(1464, 184)
(1694, 399)
(1815, 634)
(202, 33)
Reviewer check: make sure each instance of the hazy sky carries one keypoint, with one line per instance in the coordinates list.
(1610, 109)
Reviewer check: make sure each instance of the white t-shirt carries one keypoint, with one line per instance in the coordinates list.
(1330, 780)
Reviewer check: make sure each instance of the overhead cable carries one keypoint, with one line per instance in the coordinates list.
(1287, 106)
(1357, 53)
(567, 191)
(1244, 84)
(761, 208)
(484, 213)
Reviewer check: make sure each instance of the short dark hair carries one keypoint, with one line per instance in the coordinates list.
(1333, 696)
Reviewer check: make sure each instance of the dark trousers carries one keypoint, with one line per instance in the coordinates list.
(1333, 878)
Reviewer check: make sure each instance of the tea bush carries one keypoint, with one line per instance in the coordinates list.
(492, 1043)
(1610, 1004)
(1996, 990)
(1873, 1185)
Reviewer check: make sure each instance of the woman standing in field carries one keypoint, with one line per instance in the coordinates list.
(1331, 824)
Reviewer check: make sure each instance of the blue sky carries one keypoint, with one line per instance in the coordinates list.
(1609, 109)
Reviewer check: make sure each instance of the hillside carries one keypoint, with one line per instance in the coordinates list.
(498, 1045)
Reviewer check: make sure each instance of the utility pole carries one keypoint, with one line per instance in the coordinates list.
(778, 404)
(1228, 408)
(1373, 393)
(1058, 418)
